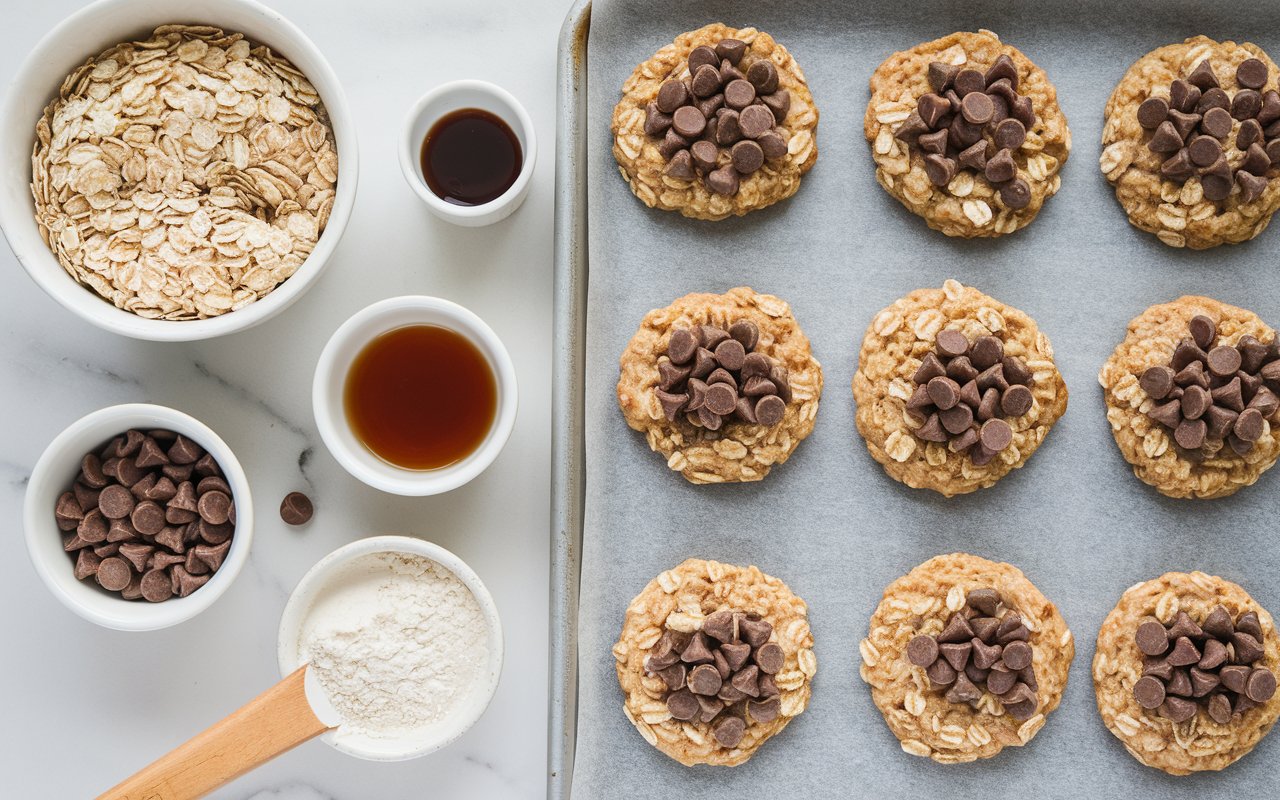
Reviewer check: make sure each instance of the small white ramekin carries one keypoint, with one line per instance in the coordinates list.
(330, 380)
(88, 32)
(321, 577)
(451, 97)
(54, 474)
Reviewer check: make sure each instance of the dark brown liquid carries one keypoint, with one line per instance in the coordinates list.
(421, 397)
(470, 157)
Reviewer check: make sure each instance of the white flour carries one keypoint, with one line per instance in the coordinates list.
(397, 643)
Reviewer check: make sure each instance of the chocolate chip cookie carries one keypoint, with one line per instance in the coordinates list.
(954, 389)
(1192, 396)
(965, 657)
(723, 386)
(966, 132)
(716, 124)
(1191, 134)
(1185, 672)
(713, 660)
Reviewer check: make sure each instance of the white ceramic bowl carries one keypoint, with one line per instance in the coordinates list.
(88, 32)
(53, 475)
(330, 379)
(450, 97)
(312, 587)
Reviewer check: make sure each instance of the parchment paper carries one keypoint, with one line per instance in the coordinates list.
(829, 522)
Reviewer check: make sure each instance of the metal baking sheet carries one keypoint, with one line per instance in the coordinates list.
(829, 522)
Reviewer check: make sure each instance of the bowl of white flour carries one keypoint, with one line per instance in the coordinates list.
(401, 638)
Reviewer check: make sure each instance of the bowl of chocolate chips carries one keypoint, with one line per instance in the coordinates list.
(138, 517)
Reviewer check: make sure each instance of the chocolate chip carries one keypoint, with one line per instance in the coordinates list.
(1251, 186)
(977, 108)
(688, 121)
(1260, 686)
(1016, 194)
(1001, 167)
(671, 95)
(941, 75)
(1017, 655)
(1152, 112)
(755, 121)
(1213, 98)
(729, 730)
(1250, 133)
(1183, 96)
(763, 75)
(1002, 69)
(1149, 692)
(1178, 709)
(1246, 104)
(1216, 123)
(1009, 134)
(739, 94)
(114, 574)
(969, 81)
(995, 435)
(922, 650)
(1251, 74)
(702, 56)
(1165, 139)
(747, 157)
(1203, 76)
(974, 157)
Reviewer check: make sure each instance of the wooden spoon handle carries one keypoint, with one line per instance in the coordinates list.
(275, 721)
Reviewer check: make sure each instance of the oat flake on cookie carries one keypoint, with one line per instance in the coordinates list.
(184, 176)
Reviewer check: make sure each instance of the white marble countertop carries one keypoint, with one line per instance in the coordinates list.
(86, 705)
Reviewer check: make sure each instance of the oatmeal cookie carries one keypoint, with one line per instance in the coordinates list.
(978, 615)
(1190, 425)
(713, 660)
(663, 394)
(704, 145)
(978, 168)
(954, 389)
(1182, 170)
(1230, 704)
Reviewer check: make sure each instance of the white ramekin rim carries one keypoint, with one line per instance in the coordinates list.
(17, 212)
(52, 475)
(347, 342)
(303, 598)
(512, 112)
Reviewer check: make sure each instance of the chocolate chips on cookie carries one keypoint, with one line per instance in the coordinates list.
(722, 675)
(720, 123)
(983, 648)
(711, 375)
(1211, 665)
(974, 121)
(1209, 394)
(1191, 130)
(149, 516)
(964, 393)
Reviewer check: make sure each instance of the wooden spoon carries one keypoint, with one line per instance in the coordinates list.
(275, 721)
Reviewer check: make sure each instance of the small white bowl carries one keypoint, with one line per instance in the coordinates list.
(330, 380)
(312, 587)
(88, 32)
(451, 97)
(54, 474)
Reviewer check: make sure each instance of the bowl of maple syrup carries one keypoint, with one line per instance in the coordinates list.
(468, 150)
(415, 395)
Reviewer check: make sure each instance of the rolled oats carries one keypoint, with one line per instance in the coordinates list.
(184, 176)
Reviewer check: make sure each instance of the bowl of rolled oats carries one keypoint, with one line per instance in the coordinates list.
(182, 166)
